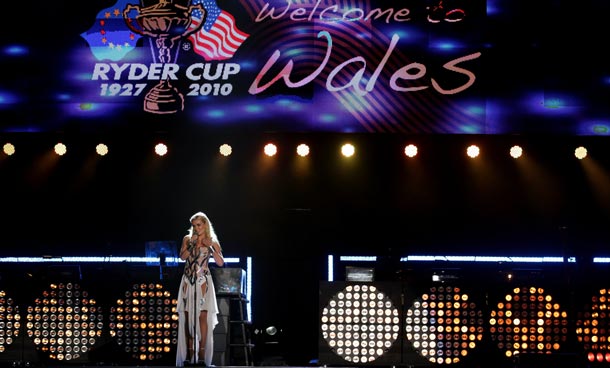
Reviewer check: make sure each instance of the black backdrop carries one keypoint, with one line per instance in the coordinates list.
(441, 201)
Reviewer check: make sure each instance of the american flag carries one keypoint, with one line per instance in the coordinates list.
(218, 38)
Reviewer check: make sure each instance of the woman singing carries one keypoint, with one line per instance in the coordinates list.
(197, 306)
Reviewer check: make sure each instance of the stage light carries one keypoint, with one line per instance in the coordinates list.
(270, 346)
(9, 149)
(348, 150)
(61, 149)
(270, 149)
(528, 321)
(593, 326)
(443, 325)
(101, 149)
(10, 321)
(65, 322)
(359, 274)
(486, 259)
(516, 151)
(225, 150)
(411, 150)
(473, 151)
(302, 150)
(360, 323)
(443, 277)
(145, 322)
(161, 149)
(271, 330)
(580, 152)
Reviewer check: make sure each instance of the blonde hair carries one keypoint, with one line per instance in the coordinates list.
(208, 225)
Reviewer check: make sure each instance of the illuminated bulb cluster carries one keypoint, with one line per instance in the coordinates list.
(516, 151)
(580, 152)
(9, 321)
(593, 327)
(348, 150)
(473, 151)
(9, 149)
(101, 149)
(302, 150)
(61, 149)
(528, 321)
(411, 150)
(145, 322)
(444, 325)
(161, 149)
(270, 149)
(65, 322)
(225, 150)
(360, 323)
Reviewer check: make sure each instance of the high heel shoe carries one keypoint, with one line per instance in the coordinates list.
(201, 358)
(190, 353)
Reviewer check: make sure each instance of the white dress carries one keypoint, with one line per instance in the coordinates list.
(190, 299)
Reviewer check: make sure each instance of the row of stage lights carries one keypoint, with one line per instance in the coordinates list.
(65, 323)
(360, 323)
(303, 150)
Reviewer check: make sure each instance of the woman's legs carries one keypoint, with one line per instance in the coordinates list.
(190, 349)
(203, 327)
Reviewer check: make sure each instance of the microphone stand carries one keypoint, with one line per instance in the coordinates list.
(194, 309)
(195, 318)
(193, 281)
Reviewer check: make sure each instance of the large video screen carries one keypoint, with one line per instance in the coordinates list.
(378, 66)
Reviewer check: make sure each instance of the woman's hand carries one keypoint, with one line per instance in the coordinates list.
(208, 242)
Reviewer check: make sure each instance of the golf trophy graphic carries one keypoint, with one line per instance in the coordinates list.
(166, 22)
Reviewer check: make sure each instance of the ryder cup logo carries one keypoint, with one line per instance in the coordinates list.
(210, 31)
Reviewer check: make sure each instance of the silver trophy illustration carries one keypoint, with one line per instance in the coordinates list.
(166, 22)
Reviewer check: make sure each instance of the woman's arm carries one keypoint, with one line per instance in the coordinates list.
(217, 254)
(185, 249)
